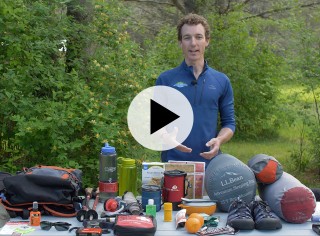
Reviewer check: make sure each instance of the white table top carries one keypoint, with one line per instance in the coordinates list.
(168, 228)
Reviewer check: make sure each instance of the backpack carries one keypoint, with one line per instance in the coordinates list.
(55, 189)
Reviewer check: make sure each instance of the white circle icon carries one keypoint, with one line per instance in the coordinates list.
(160, 118)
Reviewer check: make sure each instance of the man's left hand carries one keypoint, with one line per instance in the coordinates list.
(214, 145)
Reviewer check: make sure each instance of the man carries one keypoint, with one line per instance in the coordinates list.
(208, 91)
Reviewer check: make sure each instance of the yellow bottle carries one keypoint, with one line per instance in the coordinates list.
(35, 215)
(167, 207)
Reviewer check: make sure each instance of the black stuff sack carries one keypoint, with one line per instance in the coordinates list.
(127, 225)
(53, 187)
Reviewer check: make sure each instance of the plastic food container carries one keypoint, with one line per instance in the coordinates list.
(208, 208)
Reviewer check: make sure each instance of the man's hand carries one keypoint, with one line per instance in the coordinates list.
(171, 139)
(214, 145)
(224, 135)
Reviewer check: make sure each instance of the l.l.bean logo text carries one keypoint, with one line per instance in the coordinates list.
(230, 178)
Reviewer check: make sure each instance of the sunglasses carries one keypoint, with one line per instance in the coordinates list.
(60, 226)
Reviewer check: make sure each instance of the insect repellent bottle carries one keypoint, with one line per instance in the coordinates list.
(108, 178)
(151, 208)
(35, 215)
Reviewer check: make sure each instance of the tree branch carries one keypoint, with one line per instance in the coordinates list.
(179, 6)
(151, 1)
(266, 13)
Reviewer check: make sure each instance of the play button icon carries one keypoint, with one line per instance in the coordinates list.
(157, 110)
(160, 116)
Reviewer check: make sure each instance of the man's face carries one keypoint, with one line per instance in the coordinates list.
(193, 43)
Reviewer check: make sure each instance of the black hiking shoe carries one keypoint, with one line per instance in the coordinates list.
(239, 215)
(264, 218)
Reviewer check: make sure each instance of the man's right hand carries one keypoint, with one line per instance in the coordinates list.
(171, 139)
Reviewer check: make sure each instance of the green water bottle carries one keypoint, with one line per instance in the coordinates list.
(119, 164)
(128, 176)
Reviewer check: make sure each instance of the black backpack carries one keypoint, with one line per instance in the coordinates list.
(55, 189)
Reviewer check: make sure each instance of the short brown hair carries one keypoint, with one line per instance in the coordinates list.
(193, 19)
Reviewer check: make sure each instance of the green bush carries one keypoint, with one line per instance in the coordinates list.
(58, 108)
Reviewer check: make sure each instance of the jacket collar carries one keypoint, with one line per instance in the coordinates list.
(190, 68)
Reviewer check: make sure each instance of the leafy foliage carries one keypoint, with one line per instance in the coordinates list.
(254, 70)
(310, 72)
(303, 106)
(58, 108)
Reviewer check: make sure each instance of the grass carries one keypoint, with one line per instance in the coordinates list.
(245, 150)
(280, 147)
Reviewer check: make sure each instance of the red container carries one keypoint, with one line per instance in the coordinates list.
(175, 187)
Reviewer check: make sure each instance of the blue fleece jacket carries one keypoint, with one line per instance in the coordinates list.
(210, 95)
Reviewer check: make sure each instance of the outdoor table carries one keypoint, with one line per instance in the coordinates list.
(169, 229)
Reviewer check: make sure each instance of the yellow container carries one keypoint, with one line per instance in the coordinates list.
(167, 209)
(209, 209)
